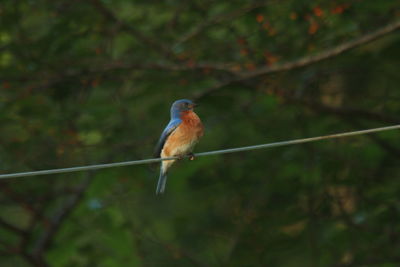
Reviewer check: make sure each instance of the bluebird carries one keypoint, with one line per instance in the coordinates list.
(178, 138)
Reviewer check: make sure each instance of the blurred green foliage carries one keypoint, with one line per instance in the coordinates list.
(85, 82)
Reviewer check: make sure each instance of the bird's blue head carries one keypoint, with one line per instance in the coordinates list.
(180, 106)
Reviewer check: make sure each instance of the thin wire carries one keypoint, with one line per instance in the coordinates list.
(209, 153)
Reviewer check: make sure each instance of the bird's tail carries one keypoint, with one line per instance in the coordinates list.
(161, 182)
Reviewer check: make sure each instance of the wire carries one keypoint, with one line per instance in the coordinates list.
(209, 153)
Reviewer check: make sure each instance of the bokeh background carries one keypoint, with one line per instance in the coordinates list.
(87, 82)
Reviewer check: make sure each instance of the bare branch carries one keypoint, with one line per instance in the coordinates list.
(165, 66)
(157, 46)
(172, 249)
(59, 218)
(12, 228)
(350, 114)
(344, 111)
(344, 215)
(74, 74)
(216, 20)
(304, 61)
(37, 261)
(385, 145)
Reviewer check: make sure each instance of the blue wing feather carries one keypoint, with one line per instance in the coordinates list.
(172, 125)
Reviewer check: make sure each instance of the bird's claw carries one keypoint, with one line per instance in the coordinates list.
(191, 156)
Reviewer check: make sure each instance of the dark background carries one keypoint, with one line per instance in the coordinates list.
(87, 82)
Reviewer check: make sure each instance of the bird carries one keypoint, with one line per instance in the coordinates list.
(178, 138)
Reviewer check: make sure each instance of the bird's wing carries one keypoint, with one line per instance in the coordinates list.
(172, 125)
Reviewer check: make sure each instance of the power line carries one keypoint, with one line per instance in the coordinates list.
(209, 153)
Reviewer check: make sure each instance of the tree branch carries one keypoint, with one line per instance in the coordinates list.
(171, 249)
(157, 46)
(37, 261)
(304, 61)
(53, 79)
(390, 148)
(164, 66)
(12, 228)
(59, 218)
(343, 111)
(349, 114)
(216, 20)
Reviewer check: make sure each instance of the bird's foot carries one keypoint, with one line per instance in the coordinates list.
(191, 156)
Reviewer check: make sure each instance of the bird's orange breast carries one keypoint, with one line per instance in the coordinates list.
(192, 124)
(186, 135)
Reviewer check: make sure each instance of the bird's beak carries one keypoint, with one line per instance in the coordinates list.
(194, 105)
